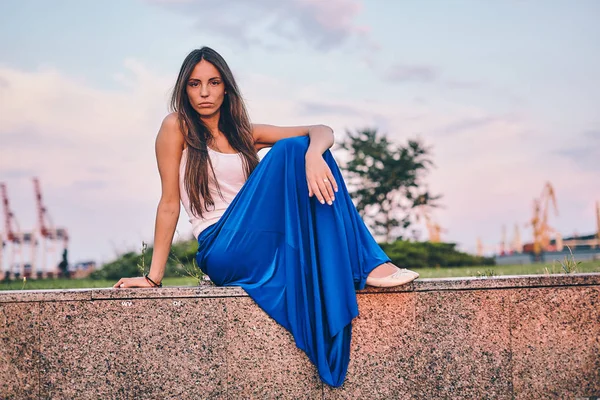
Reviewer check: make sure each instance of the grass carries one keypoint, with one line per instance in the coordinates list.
(569, 265)
(62, 283)
(557, 267)
(531, 269)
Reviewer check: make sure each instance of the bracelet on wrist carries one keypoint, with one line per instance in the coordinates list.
(151, 281)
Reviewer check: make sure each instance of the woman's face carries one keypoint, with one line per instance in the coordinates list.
(205, 89)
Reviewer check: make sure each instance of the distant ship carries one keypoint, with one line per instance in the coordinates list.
(584, 248)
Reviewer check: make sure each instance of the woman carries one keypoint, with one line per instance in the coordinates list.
(284, 229)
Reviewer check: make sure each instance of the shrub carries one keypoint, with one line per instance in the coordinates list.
(407, 254)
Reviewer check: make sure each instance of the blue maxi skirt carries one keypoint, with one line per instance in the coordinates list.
(301, 261)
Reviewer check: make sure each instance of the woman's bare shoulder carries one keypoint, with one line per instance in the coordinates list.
(170, 131)
(171, 123)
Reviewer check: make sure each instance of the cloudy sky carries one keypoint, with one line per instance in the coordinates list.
(506, 93)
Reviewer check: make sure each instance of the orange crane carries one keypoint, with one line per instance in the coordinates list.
(503, 241)
(433, 228)
(516, 245)
(539, 221)
(482, 248)
(47, 230)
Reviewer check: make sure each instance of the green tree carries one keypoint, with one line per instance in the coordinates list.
(427, 254)
(388, 180)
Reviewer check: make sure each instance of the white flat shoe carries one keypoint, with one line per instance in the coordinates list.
(400, 277)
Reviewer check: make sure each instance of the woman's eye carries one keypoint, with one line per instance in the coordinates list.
(193, 84)
(215, 83)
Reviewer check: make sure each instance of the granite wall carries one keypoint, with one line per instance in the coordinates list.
(510, 337)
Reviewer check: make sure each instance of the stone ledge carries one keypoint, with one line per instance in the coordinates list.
(523, 337)
(209, 290)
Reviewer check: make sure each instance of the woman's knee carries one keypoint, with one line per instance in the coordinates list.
(295, 143)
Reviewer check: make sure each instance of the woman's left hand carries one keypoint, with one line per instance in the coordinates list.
(136, 282)
(319, 178)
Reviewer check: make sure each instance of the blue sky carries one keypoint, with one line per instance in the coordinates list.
(506, 94)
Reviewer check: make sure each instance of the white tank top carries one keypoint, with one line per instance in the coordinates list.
(230, 174)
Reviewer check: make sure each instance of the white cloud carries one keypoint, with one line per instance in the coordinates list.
(93, 150)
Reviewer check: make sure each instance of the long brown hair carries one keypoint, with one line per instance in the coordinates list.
(233, 122)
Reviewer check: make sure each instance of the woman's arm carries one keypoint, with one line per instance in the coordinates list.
(169, 148)
(321, 136)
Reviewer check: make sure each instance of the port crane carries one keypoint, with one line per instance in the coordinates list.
(49, 234)
(434, 230)
(539, 221)
(15, 238)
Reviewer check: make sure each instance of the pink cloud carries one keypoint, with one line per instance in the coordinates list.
(323, 25)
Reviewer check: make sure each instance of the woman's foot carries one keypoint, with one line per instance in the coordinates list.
(388, 275)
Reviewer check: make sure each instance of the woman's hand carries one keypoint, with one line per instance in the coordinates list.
(133, 283)
(319, 178)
